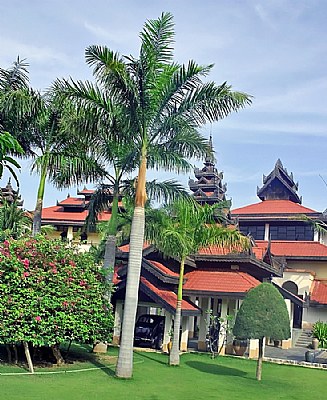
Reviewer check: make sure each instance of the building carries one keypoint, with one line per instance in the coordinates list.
(280, 223)
(286, 251)
(68, 218)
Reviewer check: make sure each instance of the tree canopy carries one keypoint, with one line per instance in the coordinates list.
(51, 293)
(263, 313)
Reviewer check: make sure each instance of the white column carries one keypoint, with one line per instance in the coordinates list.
(70, 234)
(266, 232)
(167, 330)
(254, 348)
(286, 344)
(184, 337)
(222, 333)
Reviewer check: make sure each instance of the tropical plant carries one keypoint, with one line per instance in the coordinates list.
(180, 230)
(9, 145)
(51, 293)
(319, 331)
(35, 120)
(14, 221)
(218, 326)
(104, 125)
(162, 105)
(263, 313)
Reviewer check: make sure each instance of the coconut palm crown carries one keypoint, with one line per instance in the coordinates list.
(180, 230)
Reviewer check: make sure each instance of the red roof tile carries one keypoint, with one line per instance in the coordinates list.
(73, 201)
(163, 268)
(125, 247)
(220, 281)
(294, 248)
(57, 214)
(215, 250)
(319, 292)
(86, 191)
(273, 207)
(168, 296)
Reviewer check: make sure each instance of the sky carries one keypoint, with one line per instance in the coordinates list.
(274, 50)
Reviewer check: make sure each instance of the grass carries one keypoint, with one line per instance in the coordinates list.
(198, 377)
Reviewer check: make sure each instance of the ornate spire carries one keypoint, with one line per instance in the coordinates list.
(208, 188)
(279, 185)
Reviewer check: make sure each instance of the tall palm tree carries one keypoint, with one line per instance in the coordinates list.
(35, 120)
(166, 103)
(103, 124)
(180, 230)
(162, 104)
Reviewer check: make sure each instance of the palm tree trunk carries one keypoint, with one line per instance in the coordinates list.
(110, 248)
(37, 218)
(124, 367)
(109, 261)
(259, 363)
(174, 354)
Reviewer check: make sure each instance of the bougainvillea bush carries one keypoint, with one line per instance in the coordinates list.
(50, 293)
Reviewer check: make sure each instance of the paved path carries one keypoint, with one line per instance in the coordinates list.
(296, 354)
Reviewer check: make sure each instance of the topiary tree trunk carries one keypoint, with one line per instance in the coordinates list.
(260, 357)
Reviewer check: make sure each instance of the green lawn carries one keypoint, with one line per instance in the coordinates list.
(198, 377)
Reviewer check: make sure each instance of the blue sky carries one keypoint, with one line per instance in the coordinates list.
(275, 50)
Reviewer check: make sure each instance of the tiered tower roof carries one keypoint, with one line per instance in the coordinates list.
(208, 188)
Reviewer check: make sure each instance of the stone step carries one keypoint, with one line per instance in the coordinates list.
(304, 340)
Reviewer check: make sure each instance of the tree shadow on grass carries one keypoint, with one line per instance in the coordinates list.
(99, 360)
(149, 356)
(215, 369)
(109, 370)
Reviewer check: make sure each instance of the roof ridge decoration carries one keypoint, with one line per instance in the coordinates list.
(279, 185)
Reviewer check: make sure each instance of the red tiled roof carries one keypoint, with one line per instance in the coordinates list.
(273, 207)
(73, 201)
(163, 268)
(259, 252)
(168, 296)
(319, 292)
(215, 250)
(57, 214)
(294, 248)
(86, 191)
(125, 247)
(220, 281)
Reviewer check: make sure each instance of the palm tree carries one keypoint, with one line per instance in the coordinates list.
(9, 145)
(104, 126)
(14, 222)
(166, 103)
(180, 230)
(162, 104)
(35, 120)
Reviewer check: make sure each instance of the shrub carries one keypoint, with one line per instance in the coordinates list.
(51, 293)
(319, 331)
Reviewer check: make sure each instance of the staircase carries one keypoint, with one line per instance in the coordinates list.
(304, 340)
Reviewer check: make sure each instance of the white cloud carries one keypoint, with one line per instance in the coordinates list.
(41, 55)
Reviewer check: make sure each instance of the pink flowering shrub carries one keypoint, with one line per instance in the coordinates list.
(50, 293)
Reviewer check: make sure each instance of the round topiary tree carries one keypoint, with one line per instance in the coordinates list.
(263, 313)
